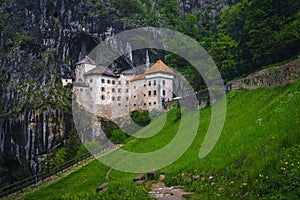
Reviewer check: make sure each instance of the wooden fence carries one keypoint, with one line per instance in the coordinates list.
(41, 177)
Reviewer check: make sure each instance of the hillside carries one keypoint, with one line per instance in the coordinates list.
(257, 156)
(41, 40)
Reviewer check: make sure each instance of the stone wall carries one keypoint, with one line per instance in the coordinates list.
(285, 74)
(170, 104)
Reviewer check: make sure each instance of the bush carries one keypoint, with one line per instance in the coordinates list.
(118, 136)
(141, 118)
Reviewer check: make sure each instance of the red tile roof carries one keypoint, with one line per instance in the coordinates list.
(138, 77)
(159, 66)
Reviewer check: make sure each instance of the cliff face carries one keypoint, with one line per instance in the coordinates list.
(40, 41)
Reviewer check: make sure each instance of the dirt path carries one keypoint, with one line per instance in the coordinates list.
(107, 173)
(161, 192)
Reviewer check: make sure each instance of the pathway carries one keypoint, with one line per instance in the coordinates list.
(161, 192)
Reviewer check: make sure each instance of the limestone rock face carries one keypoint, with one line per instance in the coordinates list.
(40, 42)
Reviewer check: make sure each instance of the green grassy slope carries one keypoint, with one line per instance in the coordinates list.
(256, 157)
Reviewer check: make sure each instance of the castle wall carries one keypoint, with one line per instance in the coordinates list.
(139, 95)
(148, 93)
(114, 97)
(121, 98)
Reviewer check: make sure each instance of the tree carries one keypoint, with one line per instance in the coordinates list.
(72, 144)
(118, 136)
(3, 170)
(256, 33)
(223, 52)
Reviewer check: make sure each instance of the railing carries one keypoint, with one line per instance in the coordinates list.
(41, 177)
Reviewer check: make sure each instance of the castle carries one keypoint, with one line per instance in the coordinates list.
(113, 94)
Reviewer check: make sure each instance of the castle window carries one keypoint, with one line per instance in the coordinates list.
(127, 98)
(119, 104)
(144, 85)
(80, 89)
(154, 103)
(103, 89)
(102, 80)
(149, 83)
(134, 96)
(134, 87)
(149, 93)
(91, 80)
(91, 89)
(119, 90)
(119, 98)
(108, 81)
(127, 90)
(154, 82)
(144, 104)
(127, 82)
(154, 92)
(144, 95)
(113, 90)
(113, 82)
(113, 98)
(134, 104)
(164, 82)
(102, 97)
(149, 103)
(119, 82)
(164, 92)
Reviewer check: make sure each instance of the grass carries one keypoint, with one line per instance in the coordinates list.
(85, 177)
(256, 157)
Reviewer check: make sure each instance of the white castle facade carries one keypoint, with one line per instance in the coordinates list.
(112, 94)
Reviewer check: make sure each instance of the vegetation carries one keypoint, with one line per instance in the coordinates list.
(256, 33)
(257, 155)
(141, 118)
(259, 140)
(241, 38)
(11, 170)
(112, 132)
